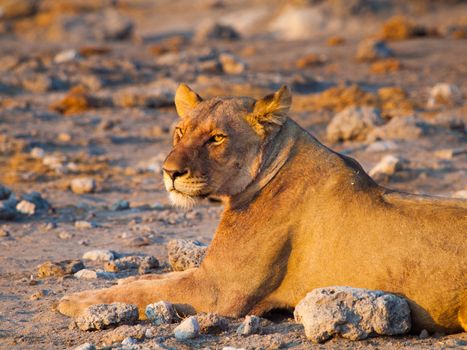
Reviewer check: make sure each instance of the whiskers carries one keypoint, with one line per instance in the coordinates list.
(181, 200)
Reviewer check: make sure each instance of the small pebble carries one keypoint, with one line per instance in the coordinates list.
(4, 232)
(161, 312)
(120, 205)
(99, 255)
(424, 334)
(86, 346)
(83, 185)
(65, 235)
(188, 329)
(83, 224)
(25, 207)
(249, 326)
(129, 341)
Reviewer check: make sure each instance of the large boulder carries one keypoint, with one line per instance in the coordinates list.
(352, 313)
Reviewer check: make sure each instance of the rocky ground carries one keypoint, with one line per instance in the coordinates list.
(86, 111)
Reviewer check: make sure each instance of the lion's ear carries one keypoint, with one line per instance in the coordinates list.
(273, 108)
(185, 100)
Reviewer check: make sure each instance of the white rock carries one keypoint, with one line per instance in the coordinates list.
(66, 56)
(99, 254)
(382, 146)
(26, 207)
(444, 94)
(249, 326)
(55, 163)
(231, 64)
(386, 166)
(188, 329)
(161, 312)
(232, 348)
(353, 123)
(86, 346)
(83, 185)
(37, 153)
(86, 274)
(83, 224)
(460, 194)
(129, 341)
(352, 313)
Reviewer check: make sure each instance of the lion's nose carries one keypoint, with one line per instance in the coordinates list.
(173, 174)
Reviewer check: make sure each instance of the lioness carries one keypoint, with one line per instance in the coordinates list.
(297, 216)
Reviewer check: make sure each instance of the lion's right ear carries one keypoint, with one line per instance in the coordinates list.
(273, 108)
(186, 100)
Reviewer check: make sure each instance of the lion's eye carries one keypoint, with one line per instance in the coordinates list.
(217, 139)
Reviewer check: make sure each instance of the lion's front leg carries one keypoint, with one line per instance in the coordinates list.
(187, 288)
(153, 276)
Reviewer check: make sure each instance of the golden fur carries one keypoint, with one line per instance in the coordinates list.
(297, 216)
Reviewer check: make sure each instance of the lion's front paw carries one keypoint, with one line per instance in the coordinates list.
(74, 304)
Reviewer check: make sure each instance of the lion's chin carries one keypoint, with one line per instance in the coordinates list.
(182, 200)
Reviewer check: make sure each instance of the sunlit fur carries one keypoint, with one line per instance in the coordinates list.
(297, 216)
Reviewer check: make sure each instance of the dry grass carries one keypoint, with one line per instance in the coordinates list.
(77, 100)
(389, 65)
(310, 60)
(390, 100)
(335, 41)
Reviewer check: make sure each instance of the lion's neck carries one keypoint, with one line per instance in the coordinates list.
(275, 156)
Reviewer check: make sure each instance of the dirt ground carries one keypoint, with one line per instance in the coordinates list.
(116, 128)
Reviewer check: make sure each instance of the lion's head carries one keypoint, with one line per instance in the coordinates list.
(219, 142)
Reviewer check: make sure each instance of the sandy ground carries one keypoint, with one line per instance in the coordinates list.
(121, 144)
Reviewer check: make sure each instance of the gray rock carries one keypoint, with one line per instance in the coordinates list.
(373, 49)
(129, 341)
(101, 316)
(60, 268)
(161, 312)
(131, 262)
(120, 205)
(249, 326)
(87, 274)
(8, 209)
(353, 123)
(188, 329)
(86, 346)
(99, 255)
(5, 192)
(185, 254)
(387, 166)
(216, 31)
(210, 323)
(399, 128)
(121, 333)
(83, 185)
(352, 313)
(424, 334)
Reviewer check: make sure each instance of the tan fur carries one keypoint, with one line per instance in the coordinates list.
(298, 216)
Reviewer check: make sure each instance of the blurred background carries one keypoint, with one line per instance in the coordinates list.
(86, 87)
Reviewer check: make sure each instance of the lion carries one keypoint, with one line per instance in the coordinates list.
(297, 216)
